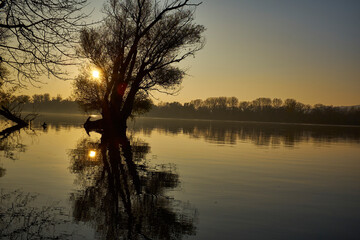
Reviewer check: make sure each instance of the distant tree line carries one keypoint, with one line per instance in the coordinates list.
(217, 108)
(43, 103)
(260, 109)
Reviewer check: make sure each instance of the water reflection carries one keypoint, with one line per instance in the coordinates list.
(123, 196)
(122, 193)
(262, 134)
(222, 132)
(10, 147)
(21, 219)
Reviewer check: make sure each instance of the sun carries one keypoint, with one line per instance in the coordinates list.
(92, 154)
(95, 73)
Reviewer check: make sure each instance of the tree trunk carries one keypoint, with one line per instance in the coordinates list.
(9, 115)
(114, 116)
(109, 124)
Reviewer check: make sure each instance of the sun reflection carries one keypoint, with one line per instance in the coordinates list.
(92, 153)
(95, 73)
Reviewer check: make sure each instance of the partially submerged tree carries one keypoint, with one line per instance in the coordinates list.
(136, 51)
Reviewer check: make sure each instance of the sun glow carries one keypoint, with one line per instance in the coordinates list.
(95, 73)
(92, 154)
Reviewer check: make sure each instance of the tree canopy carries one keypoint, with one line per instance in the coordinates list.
(136, 50)
(37, 36)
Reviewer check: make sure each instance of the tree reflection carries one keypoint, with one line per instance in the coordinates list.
(10, 146)
(21, 219)
(2, 171)
(261, 134)
(123, 196)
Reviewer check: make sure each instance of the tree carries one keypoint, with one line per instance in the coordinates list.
(277, 102)
(261, 103)
(197, 103)
(136, 51)
(232, 102)
(290, 104)
(37, 36)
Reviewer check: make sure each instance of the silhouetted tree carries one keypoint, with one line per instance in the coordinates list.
(244, 105)
(290, 104)
(261, 103)
(58, 98)
(261, 109)
(37, 37)
(232, 102)
(197, 103)
(136, 51)
(277, 102)
(23, 98)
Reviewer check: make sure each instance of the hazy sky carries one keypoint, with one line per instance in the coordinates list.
(308, 50)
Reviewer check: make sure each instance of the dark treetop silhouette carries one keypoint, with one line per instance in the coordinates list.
(260, 109)
(135, 50)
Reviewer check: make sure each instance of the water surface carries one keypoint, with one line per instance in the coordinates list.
(174, 179)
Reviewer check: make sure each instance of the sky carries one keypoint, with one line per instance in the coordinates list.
(308, 50)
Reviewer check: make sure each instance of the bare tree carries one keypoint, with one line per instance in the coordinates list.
(37, 36)
(136, 50)
(277, 102)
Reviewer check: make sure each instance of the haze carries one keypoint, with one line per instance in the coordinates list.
(306, 50)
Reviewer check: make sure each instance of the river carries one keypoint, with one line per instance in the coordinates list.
(181, 179)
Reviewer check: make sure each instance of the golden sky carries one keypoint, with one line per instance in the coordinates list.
(306, 50)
